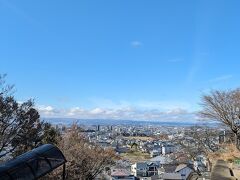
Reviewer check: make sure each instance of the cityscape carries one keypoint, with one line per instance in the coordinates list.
(158, 152)
(119, 90)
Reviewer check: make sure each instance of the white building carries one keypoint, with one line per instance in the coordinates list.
(168, 148)
(155, 152)
(144, 169)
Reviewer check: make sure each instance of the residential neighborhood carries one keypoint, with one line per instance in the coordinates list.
(152, 152)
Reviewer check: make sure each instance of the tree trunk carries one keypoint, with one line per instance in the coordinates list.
(237, 140)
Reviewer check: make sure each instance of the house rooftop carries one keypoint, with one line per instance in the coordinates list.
(174, 176)
(169, 168)
(161, 159)
(120, 172)
(141, 165)
(180, 167)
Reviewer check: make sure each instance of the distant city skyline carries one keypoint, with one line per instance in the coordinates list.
(119, 59)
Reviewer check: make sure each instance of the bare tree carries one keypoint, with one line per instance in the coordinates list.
(197, 141)
(191, 143)
(223, 106)
(85, 160)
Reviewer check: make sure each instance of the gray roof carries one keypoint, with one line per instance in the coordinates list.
(161, 159)
(175, 176)
(169, 168)
(150, 163)
(120, 172)
(141, 165)
(180, 167)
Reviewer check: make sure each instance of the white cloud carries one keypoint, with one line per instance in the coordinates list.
(97, 111)
(177, 111)
(221, 78)
(139, 112)
(140, 104)
(161, 105)
(45, 108)
(136, 44)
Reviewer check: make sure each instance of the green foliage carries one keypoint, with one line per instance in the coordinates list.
(30, 130)
(20, 126)
(50, 135)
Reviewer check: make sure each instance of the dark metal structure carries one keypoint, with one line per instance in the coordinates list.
(33, 164)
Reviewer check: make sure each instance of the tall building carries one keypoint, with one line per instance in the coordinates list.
(98, 127)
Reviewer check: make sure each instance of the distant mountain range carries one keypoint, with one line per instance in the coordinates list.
(70, 121)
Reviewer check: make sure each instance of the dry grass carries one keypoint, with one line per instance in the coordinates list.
(140, 138)
(229, 154)
(135, 156)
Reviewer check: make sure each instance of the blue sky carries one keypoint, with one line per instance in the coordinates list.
(119, 59)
